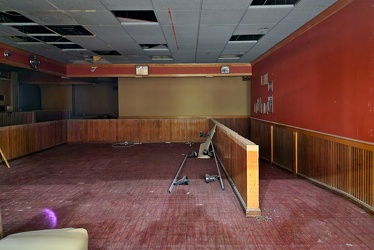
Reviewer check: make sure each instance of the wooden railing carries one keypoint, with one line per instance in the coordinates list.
(339, 164)
(240, 159)
(20, 140)
(137, 130)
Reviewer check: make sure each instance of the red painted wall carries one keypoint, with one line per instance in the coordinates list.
(324, 79)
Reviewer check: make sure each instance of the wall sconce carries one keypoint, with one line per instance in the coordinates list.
(7, 54)
(93, 69)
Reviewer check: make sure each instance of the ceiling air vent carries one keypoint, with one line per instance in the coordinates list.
(274, 2)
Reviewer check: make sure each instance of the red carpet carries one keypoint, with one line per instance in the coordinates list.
(120, 196)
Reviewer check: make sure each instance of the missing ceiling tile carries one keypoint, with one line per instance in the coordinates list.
(274, 2)
(70, 30)
(242, 38)
(135, 15)
(7, 17)
(154, 46)
(106, 52)
(34, 30)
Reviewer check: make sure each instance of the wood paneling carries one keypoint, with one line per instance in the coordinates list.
(20, 140)
(342, 165)
(283, 145)
(261, 135)
(240, 125)
(16, 118)
(239, 156)
(137, 130)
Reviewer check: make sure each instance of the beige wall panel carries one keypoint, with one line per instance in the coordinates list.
(198, 96)
(56, 97)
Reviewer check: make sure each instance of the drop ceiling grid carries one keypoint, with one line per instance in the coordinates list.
(271, 14)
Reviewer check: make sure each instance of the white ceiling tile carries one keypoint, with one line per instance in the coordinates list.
(180, 40)
(90, 43)
(302, 15)
(285, 28)
(53, 17)
(182, 55)
(34, 5)
(226, 5)
(265, 14)
(190, 18)
(143, 29)
(210, 46)
(215, 31)
(93, 17)
(149, 39)
(315, 3)
(240, 45)
(177, 5)
(219, 17)
(112, 31)
(206, 56)
(10, 31)
(78, 4)
(127, 4)
(258, 28)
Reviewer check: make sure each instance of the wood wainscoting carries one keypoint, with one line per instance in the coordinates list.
(137, 130)
(339, 164)
(240, 160)
(20, 140)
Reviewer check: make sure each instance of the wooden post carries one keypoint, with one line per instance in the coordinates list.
(3, 156)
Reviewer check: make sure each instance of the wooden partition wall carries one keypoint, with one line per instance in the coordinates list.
(342, 165)
(20, 140)
(137, 130)
(239, 157)
(240, 125)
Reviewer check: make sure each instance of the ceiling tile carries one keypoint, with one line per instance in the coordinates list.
(113, 31)
(206, 56)
(53, 17)
(34, 5)
(190, 18)
(302, 15)
(127, 4)
(149, 39)
(315, 3)
(93, 17)
(240, 45)
(258, 28)
(78, 4)
(221, 17)
(226, 5)
(143, 29)
(90, 43)
(177, 5)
